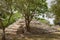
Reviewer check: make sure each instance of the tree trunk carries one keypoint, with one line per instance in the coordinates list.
(3, 36)
(28, 26)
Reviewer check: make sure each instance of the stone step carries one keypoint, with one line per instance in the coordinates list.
(10, 29)
(10, 32)
(14, 26)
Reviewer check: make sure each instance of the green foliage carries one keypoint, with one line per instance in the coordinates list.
(55, 8)
(15, 17)
(32, 6)
(7, 15)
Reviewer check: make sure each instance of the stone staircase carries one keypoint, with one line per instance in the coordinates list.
(12, 29)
